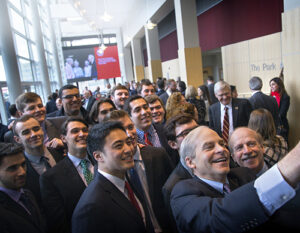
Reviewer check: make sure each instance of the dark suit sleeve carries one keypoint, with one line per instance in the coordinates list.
(195, 212)
(211, 118)
(53, 206)
(284, 106)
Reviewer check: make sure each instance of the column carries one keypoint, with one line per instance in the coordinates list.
(153, 51)
(189, 51)
(40, 48)
(139, 72)
(121, 54)
(128, 64)
(9, 56)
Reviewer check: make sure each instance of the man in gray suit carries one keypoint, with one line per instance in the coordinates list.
(261, 100)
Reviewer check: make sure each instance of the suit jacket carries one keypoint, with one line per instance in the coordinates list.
(90, 104)
(174, 156)
(14, 218)
(283, 109)
(198, 207)
(158, 167)
(164, 97)
(178, 174)
(211, 91)
(261, 100)
(241, 110)
(61, 112)
(61, 188)
(51, 106)
(102, 207)
(32, 178)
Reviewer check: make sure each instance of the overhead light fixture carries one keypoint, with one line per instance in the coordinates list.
(149, 25)
(77, 4)
(106, 17)
(102, 47)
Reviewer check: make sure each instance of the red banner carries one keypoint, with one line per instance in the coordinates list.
(107, 61)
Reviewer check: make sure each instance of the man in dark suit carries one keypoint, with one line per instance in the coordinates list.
(29, 133)
(214, 199)
(148, 133)
(62, 185)
(18, 209)
(152, 167)
(146, 88)
(237, 111)
(89, 100)
(171, 88)
(261, 100)
(211, 91)
(71, 103)
(110, 203)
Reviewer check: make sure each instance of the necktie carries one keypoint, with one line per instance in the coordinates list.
(226, 188)
(46, 163)
(132, 197)
(225, 131)
(88, 176)
(146, 139)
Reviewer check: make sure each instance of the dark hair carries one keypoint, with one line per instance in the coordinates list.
(8, 149)
(144, 82)
(160, 83)
(95, 109)
(65, 87)
(232, 88)
(54, 96)
(210, 78)
(26, 98)
(23, 118)
(64, 127)
(205, 91)
(118, 87)
(175, 121)
(182, 86)
(98, 133)
(127, 106)
(280, 84)
(12, 110)
(115, 115)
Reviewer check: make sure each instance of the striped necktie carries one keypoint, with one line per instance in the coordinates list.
(225, 131)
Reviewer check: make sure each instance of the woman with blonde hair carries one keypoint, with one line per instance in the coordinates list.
(275, 146)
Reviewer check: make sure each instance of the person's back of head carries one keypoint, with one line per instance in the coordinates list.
(255, 83)
(160, 84)
(13, 111)
(210, 79)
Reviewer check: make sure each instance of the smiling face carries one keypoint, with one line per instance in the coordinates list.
(212, 158)
(30, 134)
(119, 98)
(157, 111)
(103, 110)
(140, 114)
(13, 172)
(274, 86)
(130, 130)
(75, 138)
(117, 155)
(224, 96)
(36, 109)
(147, 90)
(71, 101)
(247, 151)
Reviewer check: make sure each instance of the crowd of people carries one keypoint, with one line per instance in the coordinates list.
(150, 157)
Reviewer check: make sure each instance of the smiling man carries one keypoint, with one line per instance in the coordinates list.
(214, 199)
(19, 211)
(109, 203)
(119, 95)
(157, 109)
(62, 185)
(247, 150)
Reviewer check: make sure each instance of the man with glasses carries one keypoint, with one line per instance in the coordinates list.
(177, 128)
(29, 133)
(71, 103)
(62, 185)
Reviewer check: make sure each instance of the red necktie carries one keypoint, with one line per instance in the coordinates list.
(147, 141)
(132, 197)
(225, 131)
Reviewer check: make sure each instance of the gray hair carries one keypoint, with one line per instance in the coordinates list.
(189, 145)
(221, 85)
(255, 83)
(190, 92)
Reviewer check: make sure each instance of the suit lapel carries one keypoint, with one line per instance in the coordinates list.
(235, 111)
(147, 159)
(218, 117)
(72, 173)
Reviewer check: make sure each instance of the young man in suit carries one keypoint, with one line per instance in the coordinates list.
(152, 166)
(62, 185)
(261, 100)
(19, 211)
(29, 133)
(146, 88)
(109, 203)
(229, 113)
(148, 133)
(119, 95)
(171, 88)
(214, 199)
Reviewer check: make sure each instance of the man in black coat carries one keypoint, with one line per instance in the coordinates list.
(19, 211)
(110, 203)
(239, 110)
(261, 100)
(89, 100)
(62, 185)
(171, 88)
(211, 91)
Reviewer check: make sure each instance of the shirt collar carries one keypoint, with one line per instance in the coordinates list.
(137, 155)
(215, 184)
(254, 92)
(141, 133)
(263, 170)
(119, 183)
(13, 194)
(76, 161)
(228, 105)
(33, 158)
(169, 92)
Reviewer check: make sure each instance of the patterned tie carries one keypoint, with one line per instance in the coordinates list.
(146, 139)
(225, 131)
(46, 162)
(132, 197)
(88, 176)
(226, 188)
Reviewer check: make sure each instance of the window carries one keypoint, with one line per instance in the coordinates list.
(21, 46)
(17, 21)
(25, 68)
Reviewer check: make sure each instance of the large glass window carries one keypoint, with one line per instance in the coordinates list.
(2, 71)
(25, 68)
(21, 46)
(17, 21)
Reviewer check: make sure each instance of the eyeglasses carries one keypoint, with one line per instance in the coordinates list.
(68, 97)
(184, 133)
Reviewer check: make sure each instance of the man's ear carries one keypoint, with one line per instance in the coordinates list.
(189, 162)
(173, 144)
(99, 156)
(17, 139)
(63, 138)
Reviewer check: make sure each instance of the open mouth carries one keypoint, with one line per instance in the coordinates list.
(249, 158)
(220, 160)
